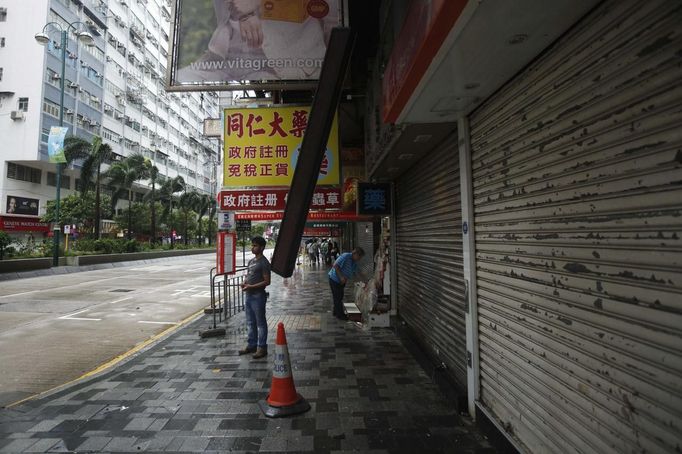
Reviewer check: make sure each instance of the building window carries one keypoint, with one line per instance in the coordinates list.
(44, 135)
(50, 108)
(23, 173)
(23, 104)
(3, 14)
(52, 180)
(1, 70)
(2, 42)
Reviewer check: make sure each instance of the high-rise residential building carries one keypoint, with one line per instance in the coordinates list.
(113, 89)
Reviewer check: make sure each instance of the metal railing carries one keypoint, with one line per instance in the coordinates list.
(226, 293)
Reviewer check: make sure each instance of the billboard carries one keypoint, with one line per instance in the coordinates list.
(324, 198)
(271, 43)
(262, 147)
(21, 205)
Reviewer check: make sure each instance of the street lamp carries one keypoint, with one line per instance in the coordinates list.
(42, 38)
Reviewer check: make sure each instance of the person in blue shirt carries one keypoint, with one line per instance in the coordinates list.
(344, 268)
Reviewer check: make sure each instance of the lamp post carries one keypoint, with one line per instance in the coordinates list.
(42, 38)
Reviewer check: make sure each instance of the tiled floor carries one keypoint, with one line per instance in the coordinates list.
(187, 394)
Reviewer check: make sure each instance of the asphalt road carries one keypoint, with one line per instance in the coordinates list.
(54, 329)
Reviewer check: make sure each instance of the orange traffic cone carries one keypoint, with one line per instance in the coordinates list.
(283, 399)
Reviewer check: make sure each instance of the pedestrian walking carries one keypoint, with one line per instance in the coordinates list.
(257, 278)
(345, 268)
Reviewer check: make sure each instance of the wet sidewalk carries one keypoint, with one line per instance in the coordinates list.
(187, 394)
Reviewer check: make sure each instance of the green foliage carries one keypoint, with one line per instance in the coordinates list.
(195, 29)
(5, 241)
(78, 209)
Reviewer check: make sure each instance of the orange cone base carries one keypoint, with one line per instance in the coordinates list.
(301, 406)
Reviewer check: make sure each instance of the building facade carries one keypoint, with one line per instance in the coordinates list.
(113, 89)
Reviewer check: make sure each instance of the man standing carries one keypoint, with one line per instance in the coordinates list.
(345, 267)
(257, 278)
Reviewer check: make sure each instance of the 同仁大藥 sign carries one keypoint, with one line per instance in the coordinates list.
(275, 199)
(262, 146)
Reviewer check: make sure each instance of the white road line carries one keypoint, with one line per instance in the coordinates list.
(119, 300)
(159, 323)
(75, 313)
(81, 318)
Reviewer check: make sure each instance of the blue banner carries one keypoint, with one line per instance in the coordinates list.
(55, 144)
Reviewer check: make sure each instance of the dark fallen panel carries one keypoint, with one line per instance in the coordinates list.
(322, 112)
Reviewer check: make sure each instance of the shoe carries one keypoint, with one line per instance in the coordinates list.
(247, 350)
(260, 353)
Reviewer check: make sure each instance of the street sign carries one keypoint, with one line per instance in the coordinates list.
(226, 253)
(226, 220)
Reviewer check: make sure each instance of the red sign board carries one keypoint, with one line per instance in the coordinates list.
(312, 216)
(23, 224)
(275, 199)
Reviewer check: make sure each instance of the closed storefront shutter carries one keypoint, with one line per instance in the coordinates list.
(429, 257)
(577, 175)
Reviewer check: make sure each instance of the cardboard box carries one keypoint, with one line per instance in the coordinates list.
(285, 10)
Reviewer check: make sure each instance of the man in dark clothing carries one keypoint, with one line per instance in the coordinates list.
(257, 278)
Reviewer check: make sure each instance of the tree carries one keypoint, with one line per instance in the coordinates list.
(188, 200)
(93, 155)
(203, 208)
(123, 174)
(167, 195)
(152, 172)
(75, 209)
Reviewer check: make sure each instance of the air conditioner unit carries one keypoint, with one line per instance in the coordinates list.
(108, 108)
(73, 85)
(68, 112)
(17, 115)
(80, 90)
(108, 58)
(56, 76)
(84, 64)
(118, 116)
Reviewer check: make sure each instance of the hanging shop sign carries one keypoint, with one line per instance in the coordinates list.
(22, 224)
(374, 199)
(262, 147)
(22, 205)
(275, 199)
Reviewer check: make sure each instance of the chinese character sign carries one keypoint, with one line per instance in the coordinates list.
(374, 198)
(262, 146)
(275, 199)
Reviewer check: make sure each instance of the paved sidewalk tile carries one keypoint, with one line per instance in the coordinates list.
(188, 394)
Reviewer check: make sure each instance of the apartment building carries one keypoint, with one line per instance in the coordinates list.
(114, 89)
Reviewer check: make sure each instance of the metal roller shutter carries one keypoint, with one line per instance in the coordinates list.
(577, 172)
(429, 257)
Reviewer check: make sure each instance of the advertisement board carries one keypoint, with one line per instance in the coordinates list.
(22, 205)
(262, 147)
(217, 43)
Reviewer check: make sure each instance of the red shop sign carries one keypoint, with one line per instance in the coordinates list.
(275, 199)
(23, 224)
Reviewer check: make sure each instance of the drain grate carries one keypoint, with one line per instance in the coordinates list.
(122, 290)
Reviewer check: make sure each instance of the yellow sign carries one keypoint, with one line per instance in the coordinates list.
(262, 146)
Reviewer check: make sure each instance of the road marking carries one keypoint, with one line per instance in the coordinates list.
(159, 323)
(195, 269)
(119, 300)
(71, 317)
